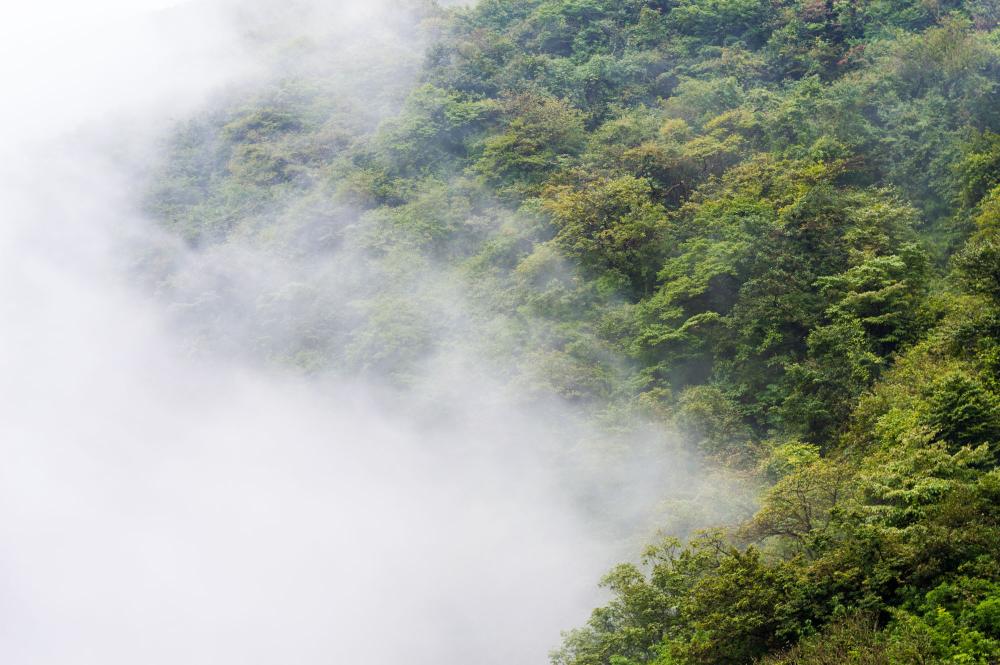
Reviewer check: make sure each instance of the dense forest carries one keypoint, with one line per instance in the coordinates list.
(770, 227)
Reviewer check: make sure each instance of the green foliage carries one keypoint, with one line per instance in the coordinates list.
(964, 413)
(979, 169)
(718, 21)
(610, 225)
(824, 388)
(434, 125)
(853, 640)
(712, 421)
(540, 135)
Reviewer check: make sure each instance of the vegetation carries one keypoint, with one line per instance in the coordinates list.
(770, 225)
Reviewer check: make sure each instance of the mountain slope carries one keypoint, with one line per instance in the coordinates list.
(768, 226)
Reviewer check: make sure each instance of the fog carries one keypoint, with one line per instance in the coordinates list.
(172, 493)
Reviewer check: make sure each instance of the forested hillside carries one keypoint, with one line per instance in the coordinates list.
(769, 226)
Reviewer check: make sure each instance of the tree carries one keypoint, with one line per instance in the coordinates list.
(610, 225)
(540, 133)
(964, 413)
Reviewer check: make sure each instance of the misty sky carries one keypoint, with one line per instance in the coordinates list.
(65, 64)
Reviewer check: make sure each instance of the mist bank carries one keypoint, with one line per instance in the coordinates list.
(248, 415)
